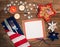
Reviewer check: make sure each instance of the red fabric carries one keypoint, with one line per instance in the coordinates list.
(20, 42)
(13, 37)
(29, 46)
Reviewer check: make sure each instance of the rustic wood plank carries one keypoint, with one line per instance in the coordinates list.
(4, 39)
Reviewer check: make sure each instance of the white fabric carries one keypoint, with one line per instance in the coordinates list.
(24, 45)
(10, 33)
(18, 39)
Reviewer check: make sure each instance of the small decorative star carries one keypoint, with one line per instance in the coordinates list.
(25, 2)
(16, 1)
(31, 8)
(6, 12)
(53, 36)
(45, 12)
(52, 26)
(34, 4)
(21, 2)
(12, 2)
(8, 5)
(29, 17)
(30, 4)
(21, 6)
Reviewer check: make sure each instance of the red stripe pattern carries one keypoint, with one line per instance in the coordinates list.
(18, 40)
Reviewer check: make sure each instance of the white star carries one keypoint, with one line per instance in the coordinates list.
(5, 11)
(37, 6)
(28, 12)
(26, 6)
(5, 8)
(16, 1)
(12, 2)
(31, 8)
(27, 9)
(52, 26)
(21, 2)
(8, 5)
(30, 4)
(29, 17)
(34, 5)
(25, 2)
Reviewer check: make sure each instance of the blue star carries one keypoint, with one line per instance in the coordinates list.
(53, 36)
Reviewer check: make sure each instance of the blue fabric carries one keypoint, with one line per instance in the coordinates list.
(12, 22)
(4, 26)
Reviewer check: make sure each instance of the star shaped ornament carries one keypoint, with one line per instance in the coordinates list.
(53, 36)
(45, 12)
(52, 26)
(12, 9)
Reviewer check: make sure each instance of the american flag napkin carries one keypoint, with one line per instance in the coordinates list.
(18, 39)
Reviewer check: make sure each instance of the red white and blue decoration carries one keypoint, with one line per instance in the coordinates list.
(45, 12)
(52, 26)
(12, 25)
(18, 39)
(53, 36)
(13, 29)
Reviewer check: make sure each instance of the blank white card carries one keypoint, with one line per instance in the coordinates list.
(34, 29)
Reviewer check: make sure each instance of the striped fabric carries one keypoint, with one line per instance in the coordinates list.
(18, 40)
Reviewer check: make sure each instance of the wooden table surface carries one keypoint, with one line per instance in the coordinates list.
(4, 39)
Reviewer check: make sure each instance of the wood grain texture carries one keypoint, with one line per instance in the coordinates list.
(4, 39)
